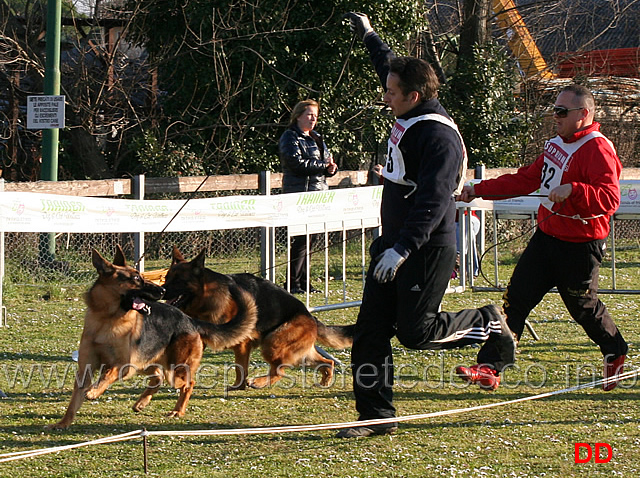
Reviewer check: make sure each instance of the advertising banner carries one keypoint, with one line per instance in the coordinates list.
(34, 212)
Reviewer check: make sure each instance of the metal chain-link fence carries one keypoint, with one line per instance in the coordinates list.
(511, 237)
(42, 259)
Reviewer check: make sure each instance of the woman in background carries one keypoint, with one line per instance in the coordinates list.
(306, 163)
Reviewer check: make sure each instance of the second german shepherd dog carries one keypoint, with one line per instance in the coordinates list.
(127, 332)
(286, 331)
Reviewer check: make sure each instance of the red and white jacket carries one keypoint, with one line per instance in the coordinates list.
(594, 173)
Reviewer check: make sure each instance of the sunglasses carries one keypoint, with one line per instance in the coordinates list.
(562, 112)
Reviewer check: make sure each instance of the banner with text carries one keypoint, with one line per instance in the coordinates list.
(629, 201)
(34, 212)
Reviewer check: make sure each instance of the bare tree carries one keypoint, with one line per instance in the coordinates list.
(106, 84)
(210, 86)
(474, 28)
(563, 31)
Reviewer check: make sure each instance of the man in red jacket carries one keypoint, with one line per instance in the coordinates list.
(579, 172)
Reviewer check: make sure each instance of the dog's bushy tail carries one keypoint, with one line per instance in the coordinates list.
(238, 329)
(335, 336)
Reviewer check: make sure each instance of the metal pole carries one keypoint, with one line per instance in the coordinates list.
(138, 237)
(49, 168)
(612, 235)
(267, 234)
(145, 453)
(3, 310)
(479, 173)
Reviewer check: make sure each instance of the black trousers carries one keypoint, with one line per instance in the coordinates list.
(573, 269)
(298, 264)
(408, 308)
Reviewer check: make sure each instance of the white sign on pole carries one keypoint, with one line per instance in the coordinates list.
(45, 112)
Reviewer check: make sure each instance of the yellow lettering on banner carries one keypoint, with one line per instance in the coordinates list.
(148, 208)
(316, 198)
(236, 205)
(59, 205)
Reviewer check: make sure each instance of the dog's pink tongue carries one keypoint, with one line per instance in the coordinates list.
(138, 304)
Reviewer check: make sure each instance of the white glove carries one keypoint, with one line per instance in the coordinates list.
(359, 24)
(387, 266)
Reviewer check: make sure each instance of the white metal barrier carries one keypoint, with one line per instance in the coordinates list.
(306, 213)
(525, 208)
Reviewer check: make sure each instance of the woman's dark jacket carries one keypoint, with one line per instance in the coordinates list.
(304, 165)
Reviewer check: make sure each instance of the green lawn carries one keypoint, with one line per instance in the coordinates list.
(533, 438)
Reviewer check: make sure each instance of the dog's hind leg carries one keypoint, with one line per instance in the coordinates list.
(186, 355)
(155, 381)
(322, 364)
(242, 352)
(286, 347)
(182, 380)
(277, 369)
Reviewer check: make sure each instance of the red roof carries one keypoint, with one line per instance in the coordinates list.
(621, 62)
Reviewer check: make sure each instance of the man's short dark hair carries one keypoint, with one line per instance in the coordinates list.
(415, 75)
(582, 93)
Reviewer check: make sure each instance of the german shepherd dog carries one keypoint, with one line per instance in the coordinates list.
(286, 331)
(127, 332)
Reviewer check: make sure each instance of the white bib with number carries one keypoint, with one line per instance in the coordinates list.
(395, 169)
(557, 158)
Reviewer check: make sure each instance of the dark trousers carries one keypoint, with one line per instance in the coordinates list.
(408, 308)
(298, 264)
(573, 269)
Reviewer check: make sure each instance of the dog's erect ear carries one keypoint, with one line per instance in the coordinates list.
(176, 256)
(102, 265)
(198, 263)
(119, 259)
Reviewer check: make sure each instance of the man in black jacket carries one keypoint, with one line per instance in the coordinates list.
(411, 262)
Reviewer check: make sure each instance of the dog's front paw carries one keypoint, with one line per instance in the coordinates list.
(61, 425)
(175, 414)
(231, 388)
(141, 404)
(258, 382)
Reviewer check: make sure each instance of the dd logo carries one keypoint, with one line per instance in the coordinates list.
(593, 452)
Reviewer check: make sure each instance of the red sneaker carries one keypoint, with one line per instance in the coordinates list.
(483, 375)
(611, 369)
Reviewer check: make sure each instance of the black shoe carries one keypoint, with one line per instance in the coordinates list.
(297, 290)
(356, 432)
(503, 339)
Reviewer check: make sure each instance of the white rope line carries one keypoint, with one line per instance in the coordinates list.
(44, 451)
(382, 421)
(301, 428)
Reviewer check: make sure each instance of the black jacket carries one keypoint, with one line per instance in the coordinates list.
(304, 168)
(433, 156)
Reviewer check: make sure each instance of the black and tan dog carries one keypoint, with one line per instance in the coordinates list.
(127, 332)
(286, 331)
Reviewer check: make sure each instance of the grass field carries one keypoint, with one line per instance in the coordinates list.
(528, 439)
